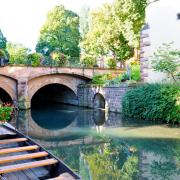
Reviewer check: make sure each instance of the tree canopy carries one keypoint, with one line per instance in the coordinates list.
(115, 29)
(60, 32)
(17, 53)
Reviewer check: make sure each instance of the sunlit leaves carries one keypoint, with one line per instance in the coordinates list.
(60, 32)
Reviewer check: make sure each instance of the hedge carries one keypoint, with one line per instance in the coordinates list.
(153, 102)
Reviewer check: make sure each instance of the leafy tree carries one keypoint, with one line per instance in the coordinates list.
(115, 29)
(104, 37)
(2, 41)
(60, 32)
(167, 60)
(17, 53)
(129, 16)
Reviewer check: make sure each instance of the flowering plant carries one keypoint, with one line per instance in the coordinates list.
(6, 111)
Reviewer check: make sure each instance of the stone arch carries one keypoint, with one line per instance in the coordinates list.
(69, 81)
(9, 85)
(99, 101)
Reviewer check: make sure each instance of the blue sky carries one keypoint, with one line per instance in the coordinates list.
(21, 20)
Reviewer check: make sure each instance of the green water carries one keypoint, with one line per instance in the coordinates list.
(102, 146)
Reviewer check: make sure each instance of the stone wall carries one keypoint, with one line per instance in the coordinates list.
(112, 96)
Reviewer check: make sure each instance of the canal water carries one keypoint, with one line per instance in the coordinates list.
(104, 146)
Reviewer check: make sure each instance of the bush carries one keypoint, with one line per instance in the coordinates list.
(59, 58)
(101, 79)
(115, 81)
(135, 72)
(153, 102)
(34, 59)
(5, 113)
(88, 60)
(111, 62)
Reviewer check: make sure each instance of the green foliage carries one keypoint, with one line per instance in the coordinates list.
(153, 102)
(5, 113)
(59, 58)
(167, 60)
(88, 60)
(3, 41)
(130, 168)
(2, 53)
(129, 16)
(135, 72)
(111, 161)
(101, 79)
(104, 36)
(17, 53)
(115, 28)
(34, 59)
(115, 81)
(60, 32)
(111, 62)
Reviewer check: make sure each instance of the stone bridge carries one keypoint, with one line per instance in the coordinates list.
(22, 83)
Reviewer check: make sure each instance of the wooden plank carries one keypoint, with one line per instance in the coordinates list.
(23, 166)
(18, 149)
(22, 157)
(63, 176)
(15, 140)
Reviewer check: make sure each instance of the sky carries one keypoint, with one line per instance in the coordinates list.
(21, 20)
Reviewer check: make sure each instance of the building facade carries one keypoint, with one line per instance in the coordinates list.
(162, 26)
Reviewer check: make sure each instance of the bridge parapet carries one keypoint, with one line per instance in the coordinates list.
(31, 72)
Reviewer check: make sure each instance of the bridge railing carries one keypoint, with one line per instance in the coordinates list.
(71, 63)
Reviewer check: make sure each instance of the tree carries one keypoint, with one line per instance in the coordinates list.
(17, 53)
(115, 29)
(2, 41)
(104, 37)
(60, 32)
(129, 16)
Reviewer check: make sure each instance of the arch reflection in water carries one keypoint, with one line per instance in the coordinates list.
(54, 117)
(99, 117)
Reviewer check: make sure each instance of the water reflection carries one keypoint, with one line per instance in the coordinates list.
(98, 145)
(54, 117)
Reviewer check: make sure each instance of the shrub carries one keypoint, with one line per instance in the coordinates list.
(101, 79)
(59, 58)
(124, 77)
(88, 60)
(115, 81)
(111, 62)
(135, 72)
(34, 59)
(5, 113)
(153, 102)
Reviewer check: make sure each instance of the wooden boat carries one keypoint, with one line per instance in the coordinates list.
(23, 159)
